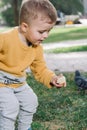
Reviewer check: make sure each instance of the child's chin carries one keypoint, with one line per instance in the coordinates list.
(38, 43)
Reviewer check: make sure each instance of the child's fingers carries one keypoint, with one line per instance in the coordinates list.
(61, 80)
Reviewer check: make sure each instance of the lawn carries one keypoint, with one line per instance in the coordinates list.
(67, 49)
(2, 29)
(58, 34)
(60, 109)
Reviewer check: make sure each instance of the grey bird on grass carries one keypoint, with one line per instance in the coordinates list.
(80, 81)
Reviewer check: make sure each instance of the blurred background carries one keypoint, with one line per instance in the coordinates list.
(69, 11)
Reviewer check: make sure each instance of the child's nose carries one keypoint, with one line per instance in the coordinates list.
(45, 35)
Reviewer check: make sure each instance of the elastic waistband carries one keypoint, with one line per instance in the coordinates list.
(9, 79)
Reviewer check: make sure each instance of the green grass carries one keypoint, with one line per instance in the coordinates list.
(2, 29)
(67, 49)
(60, 109)
(58, 34)
(64, 34)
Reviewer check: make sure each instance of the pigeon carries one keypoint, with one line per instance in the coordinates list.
(80, 81)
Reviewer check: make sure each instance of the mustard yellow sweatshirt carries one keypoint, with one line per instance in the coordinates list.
(15, 57)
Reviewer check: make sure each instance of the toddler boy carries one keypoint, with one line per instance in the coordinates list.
(21, 48)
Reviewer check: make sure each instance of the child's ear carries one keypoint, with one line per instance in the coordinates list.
(24, 27)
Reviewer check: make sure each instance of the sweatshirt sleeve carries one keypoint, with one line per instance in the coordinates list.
(1, 42)
(40, 70)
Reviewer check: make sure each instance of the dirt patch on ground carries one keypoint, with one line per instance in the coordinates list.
(53, 126)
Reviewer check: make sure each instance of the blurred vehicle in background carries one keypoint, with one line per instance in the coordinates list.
(70, 19)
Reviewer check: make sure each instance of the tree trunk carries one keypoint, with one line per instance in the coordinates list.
(15, 9)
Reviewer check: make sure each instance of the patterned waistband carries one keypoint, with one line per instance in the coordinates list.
(7, 79)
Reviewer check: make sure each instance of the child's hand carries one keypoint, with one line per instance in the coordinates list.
(59, 81)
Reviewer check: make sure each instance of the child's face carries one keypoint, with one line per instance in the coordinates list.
(38, 30)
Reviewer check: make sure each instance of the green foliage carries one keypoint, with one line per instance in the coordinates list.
(68, 6)
(64, 108)
(9, 13)
(9, 17)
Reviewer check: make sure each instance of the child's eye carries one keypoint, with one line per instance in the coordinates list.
(41, 32)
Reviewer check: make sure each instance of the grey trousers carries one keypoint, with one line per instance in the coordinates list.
(19, 102)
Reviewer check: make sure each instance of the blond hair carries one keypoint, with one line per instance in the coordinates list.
(31, 8)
